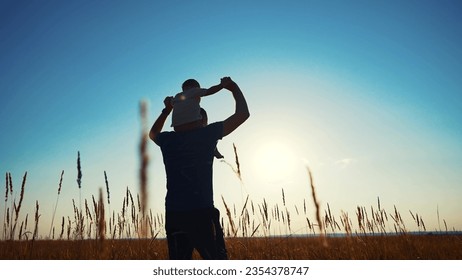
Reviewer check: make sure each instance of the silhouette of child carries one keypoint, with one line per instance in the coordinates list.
(186, 104)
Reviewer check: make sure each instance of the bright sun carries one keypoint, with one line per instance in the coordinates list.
(274, 162)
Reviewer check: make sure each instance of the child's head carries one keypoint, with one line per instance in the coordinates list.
(189, 84)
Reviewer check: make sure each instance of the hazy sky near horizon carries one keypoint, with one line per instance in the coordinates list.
(367, 94)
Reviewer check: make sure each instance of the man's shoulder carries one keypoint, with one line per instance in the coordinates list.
(215, 124)
(216, 129)
(160, 137)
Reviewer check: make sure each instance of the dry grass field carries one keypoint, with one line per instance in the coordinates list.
(402, 247)
(130, 234)
(135, 233)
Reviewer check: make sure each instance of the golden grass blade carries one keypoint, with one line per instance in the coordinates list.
(144, 166)
(318, 208)
(230, 218)
(101, 218)
(238, 165)
(79, 171)
(56, 204)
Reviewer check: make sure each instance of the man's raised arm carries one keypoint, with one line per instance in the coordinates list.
(159, 123)
(241, 113)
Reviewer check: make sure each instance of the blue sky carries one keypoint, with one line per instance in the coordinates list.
(367, 94)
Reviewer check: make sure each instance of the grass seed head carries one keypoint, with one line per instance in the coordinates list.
(79, 171)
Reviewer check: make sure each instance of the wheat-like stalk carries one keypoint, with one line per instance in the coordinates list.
(79, 182)
(57, 199)
(21, 196)
(144, 166)
(318, 208)
(230, 218)
(25, 225)
(68, 228)
(79, 171)
(245, 205)
(238, 165)
(438, 217)
(11, 184)
(6, 186)
(62, 229)
(6, 201)
(101, 218)
(345, 223)
(108, 194)
(17, 208)
(8, 220)
(283, 198)
(37, 217)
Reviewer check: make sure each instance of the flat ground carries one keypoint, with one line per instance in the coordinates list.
(402, 247)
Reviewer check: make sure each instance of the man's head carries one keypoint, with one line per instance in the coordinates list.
(189, 84)
(204, 117)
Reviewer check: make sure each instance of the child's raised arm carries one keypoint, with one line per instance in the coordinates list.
(216, 88)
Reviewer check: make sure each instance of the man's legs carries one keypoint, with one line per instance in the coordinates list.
(179, 245)
(199, 229)
(202, 233)
(222, 254)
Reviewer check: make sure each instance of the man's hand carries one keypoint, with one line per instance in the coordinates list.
(159, 123)
(227, 83)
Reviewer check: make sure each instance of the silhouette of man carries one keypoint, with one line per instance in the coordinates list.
(188, 154)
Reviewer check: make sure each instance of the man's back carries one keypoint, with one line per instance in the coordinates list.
(188, 158)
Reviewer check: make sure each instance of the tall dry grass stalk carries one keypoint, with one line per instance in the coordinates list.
(62, 229)
(79, 171)
(102, 248)
(419, 221)
(283, 198)
(399, 225)
(37, 217)
(17, 208)
(108, 194)
(237, 169)
(79, 182)
(438, 216)
(230, 218)
(238, 165)
(318, 208)
(5, 226)
(56, 204)
(101, 217)
(144, 166)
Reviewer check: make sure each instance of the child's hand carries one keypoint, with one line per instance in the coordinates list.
(168, 102)
(227, 83)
